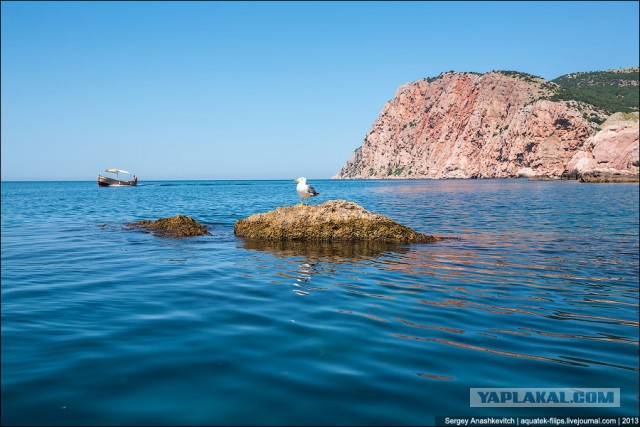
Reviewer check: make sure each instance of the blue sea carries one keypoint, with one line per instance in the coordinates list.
(105, 325)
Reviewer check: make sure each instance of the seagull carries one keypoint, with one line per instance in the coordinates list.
(305, 190)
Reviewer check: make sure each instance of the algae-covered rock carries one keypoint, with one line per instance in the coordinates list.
(175, 226)
(335, 220)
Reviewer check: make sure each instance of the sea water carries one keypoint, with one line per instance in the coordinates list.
(105, 325)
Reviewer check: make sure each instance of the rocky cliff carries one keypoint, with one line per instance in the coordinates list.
(613, 149)
(494, 125)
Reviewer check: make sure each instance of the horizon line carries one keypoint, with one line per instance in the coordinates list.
(152, 180)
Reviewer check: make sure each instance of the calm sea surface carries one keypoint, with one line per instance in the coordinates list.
(104, 325)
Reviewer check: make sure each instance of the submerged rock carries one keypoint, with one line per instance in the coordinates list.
(335, 220)
(175, 226)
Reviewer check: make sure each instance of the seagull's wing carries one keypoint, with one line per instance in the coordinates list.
(312, 191)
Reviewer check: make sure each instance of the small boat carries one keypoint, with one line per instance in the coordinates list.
(105, 181)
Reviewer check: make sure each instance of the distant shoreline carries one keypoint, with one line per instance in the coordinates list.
(311, 179)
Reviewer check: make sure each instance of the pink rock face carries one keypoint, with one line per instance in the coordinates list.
(614, 148)
(465, 125)
(617, 147)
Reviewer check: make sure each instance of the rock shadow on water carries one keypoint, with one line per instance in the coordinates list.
(309, 258)
(331, 251)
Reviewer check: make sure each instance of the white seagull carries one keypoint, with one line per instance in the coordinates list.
(305, 190)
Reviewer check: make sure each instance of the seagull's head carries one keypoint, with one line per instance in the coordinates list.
(302, 179)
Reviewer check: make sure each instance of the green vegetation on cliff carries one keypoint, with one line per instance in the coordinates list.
(519, 75)
(608, 91)
(611, 91)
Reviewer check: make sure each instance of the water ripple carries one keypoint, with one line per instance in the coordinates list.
(102, 325)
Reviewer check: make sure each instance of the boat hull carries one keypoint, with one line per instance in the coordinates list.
(104, 181)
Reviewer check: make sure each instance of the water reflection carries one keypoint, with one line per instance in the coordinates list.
(303, 275)
(448, 186)
(436, 377)
(440, 328)
(440, 288)
(557, 315)
(490, 350)
(369, 316)
(335, 252)
(610, 338)
(310, 256)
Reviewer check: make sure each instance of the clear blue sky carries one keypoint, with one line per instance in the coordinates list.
(215, 90)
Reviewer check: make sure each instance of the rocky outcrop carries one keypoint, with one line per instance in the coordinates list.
(612, 153)
(335, 220)
(495, 125)
(603, 176)
(175, 226)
